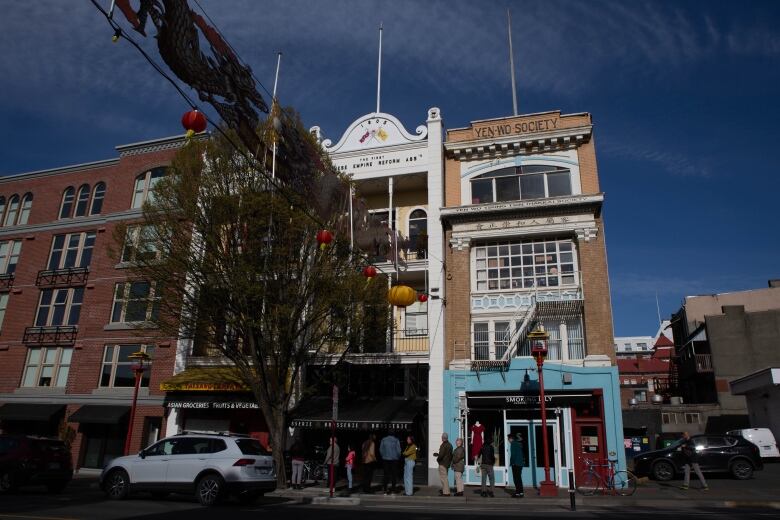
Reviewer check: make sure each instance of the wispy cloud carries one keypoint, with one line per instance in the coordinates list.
(669, 161)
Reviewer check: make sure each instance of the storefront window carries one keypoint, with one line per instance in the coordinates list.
(482, 426)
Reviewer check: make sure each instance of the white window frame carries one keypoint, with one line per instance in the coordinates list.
(525, 282)
(3, 306)
(560, 330)
(102, 198)
(115, 363)
(133, 243)
(152, 300)
(67, 193)
(68, 304)
(24, 211)
(12, 211)
(80, 248)
(144, 186)
(81, 208)
(517, 176)
(60, 370)
(419, 312)
(10, 250)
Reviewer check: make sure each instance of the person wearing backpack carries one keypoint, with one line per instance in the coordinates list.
(488, 456)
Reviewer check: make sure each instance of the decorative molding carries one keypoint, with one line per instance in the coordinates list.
(586, 233)
(516, 301)
(157, 145)
(519, 205)
(460, 243)
(519, 144)
(371, 131)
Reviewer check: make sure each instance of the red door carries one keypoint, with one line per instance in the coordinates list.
(588, 444)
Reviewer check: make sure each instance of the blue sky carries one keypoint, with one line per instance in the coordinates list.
(683, 96)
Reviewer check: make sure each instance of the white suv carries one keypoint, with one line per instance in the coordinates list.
(210, 465)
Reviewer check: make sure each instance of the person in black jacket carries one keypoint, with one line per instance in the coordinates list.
(488, 456)
(688, 451)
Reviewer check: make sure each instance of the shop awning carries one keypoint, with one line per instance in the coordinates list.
(206, 379)
(363, 414)
(99, 414)
(29, 412)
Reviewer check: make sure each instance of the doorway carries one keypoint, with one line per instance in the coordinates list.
(529, 434)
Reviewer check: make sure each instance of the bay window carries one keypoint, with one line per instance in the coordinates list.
(524, 265)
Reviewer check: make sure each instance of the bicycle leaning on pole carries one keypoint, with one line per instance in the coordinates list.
(601, 477)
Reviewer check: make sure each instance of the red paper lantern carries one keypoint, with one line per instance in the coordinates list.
(194, 122)
(422, 297)
(324, 237)
(369, 271)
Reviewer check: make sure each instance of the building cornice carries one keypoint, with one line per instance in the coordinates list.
(157, 145)
(58, 171)
(477, 211)
(69, 223)
(514, 144)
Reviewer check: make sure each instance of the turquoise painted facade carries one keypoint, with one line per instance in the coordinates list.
(523, 370)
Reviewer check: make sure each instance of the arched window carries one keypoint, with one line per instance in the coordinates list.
(97, 198)
(144, 186)
(523, 182)
(2, 208)
(67, 202)
(82, 201)
(13, 209)
(418, 232)
(24, 216)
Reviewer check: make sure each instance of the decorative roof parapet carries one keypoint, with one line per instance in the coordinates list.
(374, 130)
(519, 143)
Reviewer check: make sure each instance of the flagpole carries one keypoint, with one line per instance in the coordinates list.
(379, 70)
(511, 60)
(273, 104)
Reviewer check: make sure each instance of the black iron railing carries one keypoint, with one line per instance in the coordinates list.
(53, 335)
(69, 276)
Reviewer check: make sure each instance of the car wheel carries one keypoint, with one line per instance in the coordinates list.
(741, 469)
(56, 487)
(117, 484)
(210, 489)
(663, 471)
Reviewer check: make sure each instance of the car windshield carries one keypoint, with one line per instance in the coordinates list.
(251, 447)
(676, 444)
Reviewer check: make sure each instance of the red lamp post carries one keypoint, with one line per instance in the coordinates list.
(538, 339)
(138, 370)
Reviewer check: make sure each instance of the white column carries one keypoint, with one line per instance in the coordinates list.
(436, 283)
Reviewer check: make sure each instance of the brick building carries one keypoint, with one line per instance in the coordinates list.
(522, 221)
(69, 316)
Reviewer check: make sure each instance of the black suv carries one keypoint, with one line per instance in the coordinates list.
(714, 453)
(27, 460)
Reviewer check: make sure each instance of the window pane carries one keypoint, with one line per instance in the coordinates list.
(35, 356)
(29, 376)
(45, 378)
(97, 199)
(136, 310)
(559, 184)
(67, 202)
(481, 191)
(138, 195)
(125, 351)
(507, 188)
(105, 376)
(62, 376)
(116, 313)
(532, 186)
(83, 199)
(65, 356)
(124, 376)
(50, 357)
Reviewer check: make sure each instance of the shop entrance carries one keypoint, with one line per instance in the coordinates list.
(529, 434)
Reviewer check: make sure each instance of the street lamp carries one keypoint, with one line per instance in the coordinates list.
(138, 369)
(538, 339)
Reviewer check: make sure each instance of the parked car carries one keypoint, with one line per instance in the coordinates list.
(714, 453)
(761, 437)
(212, 466)
(28, 461)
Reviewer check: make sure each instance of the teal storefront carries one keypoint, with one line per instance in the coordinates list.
(584, 420)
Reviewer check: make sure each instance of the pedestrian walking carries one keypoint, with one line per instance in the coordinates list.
(444, 458)
(690, 457)
(368, 452)
(390, 450)
(332, 456)
(297, 454)
(488, 458)
(516, 462)
(459, 465)
(410, 459)
(349, 463)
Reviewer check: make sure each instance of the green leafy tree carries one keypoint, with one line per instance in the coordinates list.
(241, 272)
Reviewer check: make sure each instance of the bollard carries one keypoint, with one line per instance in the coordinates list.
(572, 497)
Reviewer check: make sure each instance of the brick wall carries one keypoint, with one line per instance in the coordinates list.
(457, 322)
(597, 307)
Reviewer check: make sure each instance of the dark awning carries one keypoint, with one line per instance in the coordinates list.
(99, 414)
(29, 412)
(363, 414)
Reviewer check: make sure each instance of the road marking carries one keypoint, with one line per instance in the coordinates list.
(28, 517)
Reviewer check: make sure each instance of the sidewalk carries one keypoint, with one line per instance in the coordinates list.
(649, 495)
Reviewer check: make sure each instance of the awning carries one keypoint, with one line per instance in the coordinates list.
(205, 379)
(29, 412)
(364, 414)
(99, 414)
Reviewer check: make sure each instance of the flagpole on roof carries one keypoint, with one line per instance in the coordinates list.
(379, 69)
(275, 120)
(511, 60)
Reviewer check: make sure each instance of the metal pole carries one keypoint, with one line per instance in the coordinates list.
(572, 494)
(546, 487)
(332, 451)
(138, 370)
(511, 60)
(379, 70)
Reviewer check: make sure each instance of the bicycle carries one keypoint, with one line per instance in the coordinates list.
(592, 480)
(312, 471)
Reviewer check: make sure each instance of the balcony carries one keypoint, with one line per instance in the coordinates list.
(54, 335)
(703, 362)
(68, 277)
(6, 282)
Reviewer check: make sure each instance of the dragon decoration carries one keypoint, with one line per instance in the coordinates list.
(221, 80)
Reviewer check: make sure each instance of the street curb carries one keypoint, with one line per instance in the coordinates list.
(335, 501)
(752, 503)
